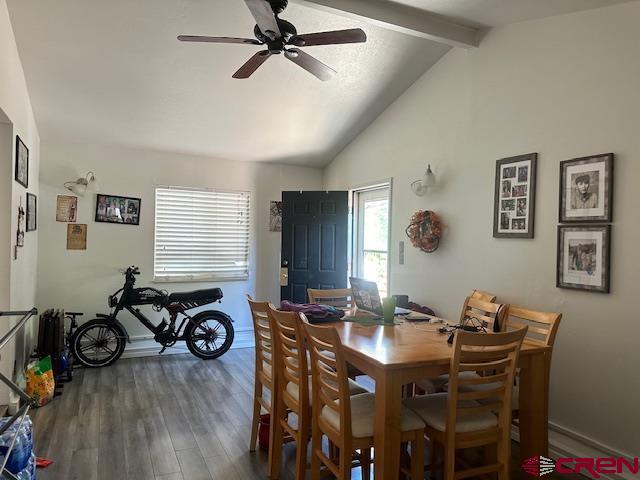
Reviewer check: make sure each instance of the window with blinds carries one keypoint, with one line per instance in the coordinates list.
(201, 235)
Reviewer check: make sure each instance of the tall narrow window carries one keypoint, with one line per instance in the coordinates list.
(201, 235)
(371, 232)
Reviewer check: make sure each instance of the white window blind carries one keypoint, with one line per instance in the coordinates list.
(201, 234)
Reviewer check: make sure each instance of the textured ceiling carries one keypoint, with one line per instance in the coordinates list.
(492, 13)
(112, 72)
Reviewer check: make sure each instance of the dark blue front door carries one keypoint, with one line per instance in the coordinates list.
(314, 242)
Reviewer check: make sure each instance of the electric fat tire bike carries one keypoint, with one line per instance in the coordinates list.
(208, 334)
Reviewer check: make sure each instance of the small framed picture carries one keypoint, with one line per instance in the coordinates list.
(515, 195)
(32, 212)
(584, 258)
(22, 163)
(76, 236)
(586, 189)
(116, 209)
(275, 216)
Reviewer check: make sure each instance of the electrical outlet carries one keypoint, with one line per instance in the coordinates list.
(401, 253)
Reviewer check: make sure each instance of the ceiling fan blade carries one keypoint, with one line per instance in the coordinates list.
(252, 65)
(197, 38)
(354, 35)
(310, 64)
(265, 18)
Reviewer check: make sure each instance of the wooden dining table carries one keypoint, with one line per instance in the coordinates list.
(395, 355)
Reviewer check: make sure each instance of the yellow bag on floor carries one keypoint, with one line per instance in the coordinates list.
(40, 382)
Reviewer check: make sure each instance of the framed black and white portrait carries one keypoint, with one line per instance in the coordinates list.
(586, 189)
(515, 194)
(584, 257)
(22, 163)
(32, 212)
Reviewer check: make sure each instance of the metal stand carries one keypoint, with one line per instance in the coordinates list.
(21, 414)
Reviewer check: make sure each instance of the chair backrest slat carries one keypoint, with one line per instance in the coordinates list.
(339, 297)
(484, 296)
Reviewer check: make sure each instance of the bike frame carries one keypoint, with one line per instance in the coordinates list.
(173, 309)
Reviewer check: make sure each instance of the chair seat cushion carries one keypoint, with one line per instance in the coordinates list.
(433, 410)
(363, 415)
(354, 388)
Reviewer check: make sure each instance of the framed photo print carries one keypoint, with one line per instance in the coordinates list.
(32, 211)
(275, 216)
(76, 236)
(586, 189)
(515, 197)
(116, 209)
(22, 163)
(584, 257)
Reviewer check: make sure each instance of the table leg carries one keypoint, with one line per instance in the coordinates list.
(387, 427)
(534, 399)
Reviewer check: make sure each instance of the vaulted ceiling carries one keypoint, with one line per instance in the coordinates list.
(112, 72)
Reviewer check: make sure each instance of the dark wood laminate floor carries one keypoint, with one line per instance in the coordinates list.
(159, 418)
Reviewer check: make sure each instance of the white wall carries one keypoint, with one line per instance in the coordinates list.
(82, 280)
(17, 277)
(563, 87)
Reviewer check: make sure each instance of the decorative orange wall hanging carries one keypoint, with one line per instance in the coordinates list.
(425, 230)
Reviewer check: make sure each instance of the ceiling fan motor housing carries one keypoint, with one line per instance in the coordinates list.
(277, 45)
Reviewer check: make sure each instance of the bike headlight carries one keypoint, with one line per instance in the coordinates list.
(113, 301)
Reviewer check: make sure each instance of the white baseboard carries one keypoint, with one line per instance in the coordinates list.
(145, 346)
(564, 442)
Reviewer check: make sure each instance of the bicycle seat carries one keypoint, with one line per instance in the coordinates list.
(212, 294)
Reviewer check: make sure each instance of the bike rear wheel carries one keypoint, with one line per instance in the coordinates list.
(98, 343)
(209, 334)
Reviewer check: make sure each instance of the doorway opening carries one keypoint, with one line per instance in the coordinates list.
(370, 234)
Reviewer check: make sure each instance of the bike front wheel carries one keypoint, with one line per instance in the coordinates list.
(98, 343)
(209, 334)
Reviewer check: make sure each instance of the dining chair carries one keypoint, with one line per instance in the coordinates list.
(264, 371)
(482, 312)
(293, 388)
(348, 421)
(456, 420)
(474, 312)
(542, 330)
(340, 297)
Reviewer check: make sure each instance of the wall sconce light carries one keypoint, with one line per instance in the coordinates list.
(421, 186)
(80, 186)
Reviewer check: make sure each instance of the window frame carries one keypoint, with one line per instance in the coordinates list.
(208, 277)
(355, 224)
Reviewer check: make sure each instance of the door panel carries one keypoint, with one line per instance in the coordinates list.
(314, 242)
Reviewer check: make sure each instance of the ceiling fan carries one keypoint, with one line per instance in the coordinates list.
(280, 36)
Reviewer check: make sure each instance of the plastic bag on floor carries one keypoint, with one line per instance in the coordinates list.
(40, 382)
(21, 457)
(29, 473)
